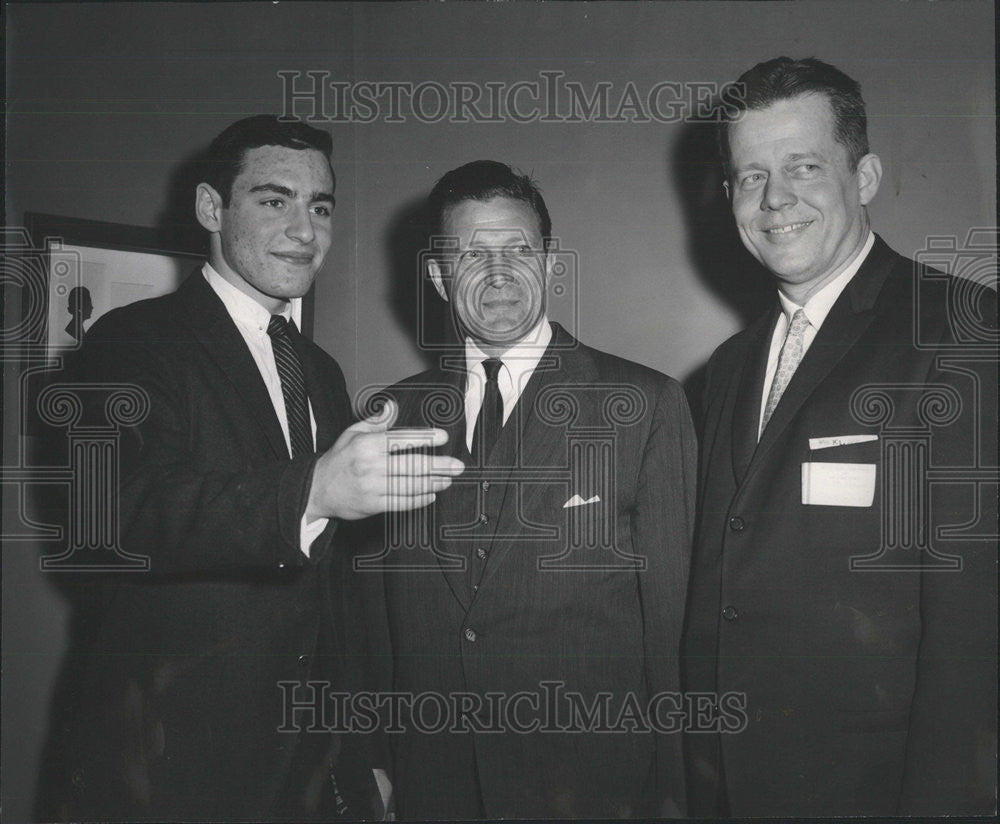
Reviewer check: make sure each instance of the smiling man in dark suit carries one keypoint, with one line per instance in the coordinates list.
(539, 603)
(844, 576)
(233, 486)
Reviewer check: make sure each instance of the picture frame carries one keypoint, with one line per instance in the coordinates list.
(90, 267)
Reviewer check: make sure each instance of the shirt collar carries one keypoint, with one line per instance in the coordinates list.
(521, 359)
(820, 304)
(242, 308)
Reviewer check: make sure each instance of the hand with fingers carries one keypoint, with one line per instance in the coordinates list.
(371, 469)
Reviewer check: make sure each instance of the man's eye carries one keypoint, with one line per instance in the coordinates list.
(805, 169)
(473, 254)
(523, 251)
(323, 211)
(274, 202)
(752, 180)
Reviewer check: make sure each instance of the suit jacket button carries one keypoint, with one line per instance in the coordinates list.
(303, 661)
(470, 634)
(730, 613)
(481, 553)
(737, 524)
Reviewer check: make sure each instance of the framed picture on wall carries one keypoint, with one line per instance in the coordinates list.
(91, 267)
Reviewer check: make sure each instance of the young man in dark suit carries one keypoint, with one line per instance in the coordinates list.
(183, 677)
(844, 576)
(539, 603)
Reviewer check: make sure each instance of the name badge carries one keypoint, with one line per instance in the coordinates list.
(838, 484)
(840, 440)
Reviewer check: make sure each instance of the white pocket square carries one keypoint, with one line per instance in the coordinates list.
(576, 500)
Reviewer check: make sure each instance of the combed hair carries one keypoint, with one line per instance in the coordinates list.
(484, 180)
(224, 159)
(782, 79)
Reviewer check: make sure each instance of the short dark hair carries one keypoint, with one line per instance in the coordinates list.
(784, 78)
(224, 159)
(484, 180)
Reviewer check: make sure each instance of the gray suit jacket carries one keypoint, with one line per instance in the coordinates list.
(500, 590)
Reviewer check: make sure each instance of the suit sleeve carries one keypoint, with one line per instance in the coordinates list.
(187, 500)
(663, 525)
(952, 742)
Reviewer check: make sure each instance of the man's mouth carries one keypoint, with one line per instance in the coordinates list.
(501, 303)
(297, 258)
(787, 228)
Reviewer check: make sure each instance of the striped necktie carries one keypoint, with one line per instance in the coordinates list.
(293, 385)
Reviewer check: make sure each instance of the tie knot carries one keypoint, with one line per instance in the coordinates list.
(491, 366)
(278, 327)
(799, 322)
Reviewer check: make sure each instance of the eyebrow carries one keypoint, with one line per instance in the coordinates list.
(747, 166)
(326, 197)
(789, 158)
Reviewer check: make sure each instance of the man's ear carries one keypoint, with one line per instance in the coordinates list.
(208, 207)
(550, 260)
(435, 272)
(725, 186)
(869, 174)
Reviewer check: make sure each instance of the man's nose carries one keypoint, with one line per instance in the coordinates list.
(300, 225)
(499, 274)
(777, 194)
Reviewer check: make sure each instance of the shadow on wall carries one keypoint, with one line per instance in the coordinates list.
(177, 221)
(721, 262)
(424, 317)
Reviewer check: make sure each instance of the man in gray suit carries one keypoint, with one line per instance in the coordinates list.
(538, 603)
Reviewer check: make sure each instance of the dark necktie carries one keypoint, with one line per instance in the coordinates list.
(490, 419)
(293, 386)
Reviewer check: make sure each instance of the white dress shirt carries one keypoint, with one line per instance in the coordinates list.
(252, 320)
(519, 364)
(816, 310)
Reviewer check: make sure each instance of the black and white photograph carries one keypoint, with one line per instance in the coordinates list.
(478, 411)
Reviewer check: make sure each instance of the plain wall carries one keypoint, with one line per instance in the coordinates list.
(106, 102)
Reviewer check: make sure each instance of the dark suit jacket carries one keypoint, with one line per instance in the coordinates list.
(868, 666)
(498, 589)
(172, 685)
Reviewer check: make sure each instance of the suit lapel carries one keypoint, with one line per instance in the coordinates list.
(746, 417)
(210, 324)
(452, 377)
(451, 507)
(847, 321)
(331, 416)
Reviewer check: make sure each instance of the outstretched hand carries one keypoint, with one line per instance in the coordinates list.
(370, 470)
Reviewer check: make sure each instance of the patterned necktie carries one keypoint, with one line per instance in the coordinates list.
(490, 419)
(788, 361)
(293, 386)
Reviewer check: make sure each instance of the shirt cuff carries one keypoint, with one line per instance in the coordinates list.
(309, 531)
(385, 793)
